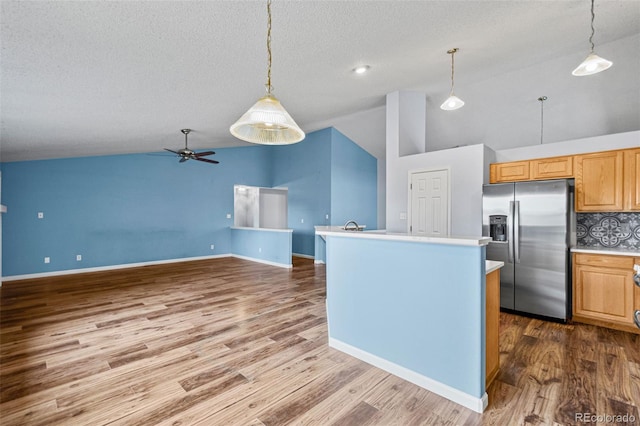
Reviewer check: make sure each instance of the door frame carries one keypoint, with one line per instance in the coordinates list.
(410, 173)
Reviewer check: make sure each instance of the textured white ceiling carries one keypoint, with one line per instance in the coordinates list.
(109, 77)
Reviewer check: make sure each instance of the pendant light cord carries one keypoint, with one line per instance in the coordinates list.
(269, 47)
(593, 30)
(452, 67)
(542, 99)
(452, 52)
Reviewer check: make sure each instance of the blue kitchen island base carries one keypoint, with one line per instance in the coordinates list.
(412, 306)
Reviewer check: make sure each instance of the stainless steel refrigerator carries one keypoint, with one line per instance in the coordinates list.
(530, 225)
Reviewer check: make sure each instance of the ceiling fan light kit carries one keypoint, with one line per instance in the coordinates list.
(267, 122)
(593, 64)
(452, 102)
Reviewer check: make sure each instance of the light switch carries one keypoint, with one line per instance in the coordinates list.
(403, 216)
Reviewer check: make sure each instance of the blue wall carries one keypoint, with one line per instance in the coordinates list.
(272, 246)
(354, 183)
(134, 208)
(305, 169)
(121, 209)
(326, 174)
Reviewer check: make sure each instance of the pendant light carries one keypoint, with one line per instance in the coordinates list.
(452, 102)
(594, 63)
(267, 122)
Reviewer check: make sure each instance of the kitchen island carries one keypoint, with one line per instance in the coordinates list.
(413, 306)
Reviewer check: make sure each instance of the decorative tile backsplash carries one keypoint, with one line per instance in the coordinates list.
(608, 230)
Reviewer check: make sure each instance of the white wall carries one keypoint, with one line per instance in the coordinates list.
(467, 176)
(468, 172)
(576, 146)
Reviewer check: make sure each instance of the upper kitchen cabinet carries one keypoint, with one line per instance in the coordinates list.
(599, 182)
(552, 168)
(509, 172)
(631, 178)
(539, 169)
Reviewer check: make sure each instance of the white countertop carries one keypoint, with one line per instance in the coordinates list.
(401, 236)
(492, 265)
(607, 251)
(246, 228)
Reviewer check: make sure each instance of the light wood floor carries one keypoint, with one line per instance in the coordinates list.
(228, 341)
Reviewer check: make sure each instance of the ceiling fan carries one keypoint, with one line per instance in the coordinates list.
(187, 154)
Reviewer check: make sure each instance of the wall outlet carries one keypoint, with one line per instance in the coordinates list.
(213, 246)
(47, 259)
(78, 257)
(326, 216)
(260, 250)
(228, 215)
(301, 220)
(403, 216)
(40, 215)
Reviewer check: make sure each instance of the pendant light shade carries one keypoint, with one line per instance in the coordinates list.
(267, 122)
(594, 63)
(452, 102)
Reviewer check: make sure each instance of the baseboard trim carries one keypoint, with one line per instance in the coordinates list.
(305, 256)
(318, 262)
(266, 262)
(110, 267)
(476, 404)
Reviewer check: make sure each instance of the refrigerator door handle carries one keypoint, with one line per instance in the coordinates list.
(516, 231)
(510, 233)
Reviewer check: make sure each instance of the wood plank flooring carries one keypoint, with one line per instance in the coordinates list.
(232, 342)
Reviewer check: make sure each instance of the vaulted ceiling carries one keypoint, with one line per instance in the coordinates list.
(109, 77)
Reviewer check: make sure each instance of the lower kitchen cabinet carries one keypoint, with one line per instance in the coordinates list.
(492, 357)
(604, 292)
(636, 289)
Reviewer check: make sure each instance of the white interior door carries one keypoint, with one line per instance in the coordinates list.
(429, 203)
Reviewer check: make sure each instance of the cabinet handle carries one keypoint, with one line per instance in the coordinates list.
(636, 279)
(636, 317)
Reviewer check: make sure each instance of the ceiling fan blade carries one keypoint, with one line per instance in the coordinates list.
(207, 160)
(175, 152)
(203, 154)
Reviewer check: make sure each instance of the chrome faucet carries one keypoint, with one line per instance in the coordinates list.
(351, 222)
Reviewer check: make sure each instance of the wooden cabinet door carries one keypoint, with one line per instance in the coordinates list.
(492, 318)
(632, 179)
(599, 182)
(552, 168)
(636, 297)
(509, 172)
(604, 294)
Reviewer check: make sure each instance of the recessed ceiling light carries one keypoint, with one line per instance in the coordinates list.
(361, 69)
